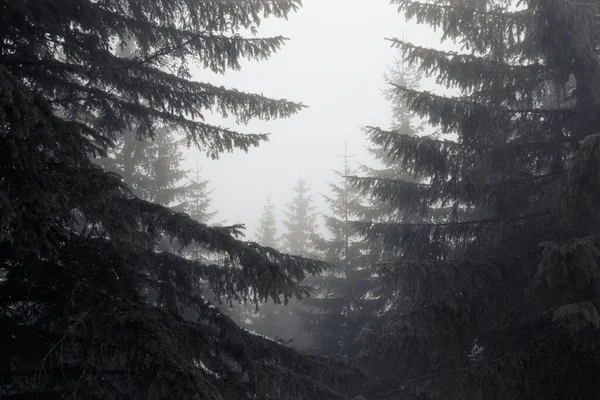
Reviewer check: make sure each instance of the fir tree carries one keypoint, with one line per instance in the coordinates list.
(163, 172)
(350, 297)
(267, 230)
(347, 297)
(198, 198)
(151, 168)
(78, 255)
(301, 222)
(403, 121)
(274, 320)
(277, 321)
(496, 245)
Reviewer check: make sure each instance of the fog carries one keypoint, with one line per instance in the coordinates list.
(334, 64)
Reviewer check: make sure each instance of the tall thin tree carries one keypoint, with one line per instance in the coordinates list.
(266, 234)
(301, 221)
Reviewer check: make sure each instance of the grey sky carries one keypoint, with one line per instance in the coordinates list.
(334, 63)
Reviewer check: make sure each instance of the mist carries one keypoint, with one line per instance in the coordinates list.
(334, 63)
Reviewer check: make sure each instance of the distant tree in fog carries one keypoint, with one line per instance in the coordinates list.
(197, 199)
(152, 167)
(301, 221)
(266, 234)
(346, 297)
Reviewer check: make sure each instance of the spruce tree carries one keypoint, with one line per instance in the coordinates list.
(274, 320)
(496, 241)
(347, 297)
(301, 221)
(267, 230)
(403, 75)
(198, 199)
(78, 259)
(151, 168)
(164, 175)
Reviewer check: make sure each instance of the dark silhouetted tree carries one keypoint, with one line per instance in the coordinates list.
(79, 314)
(495, 245)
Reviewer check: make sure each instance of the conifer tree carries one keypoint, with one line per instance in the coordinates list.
(267, 230)
(164, 175)
(151, 168)
(346, 297)
(301, 222)
(78, 259)
(497, 247)
(274, 320)
(198, 198)
(403, 75)
(350, 297)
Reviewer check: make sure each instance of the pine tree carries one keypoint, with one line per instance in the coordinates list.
(403, 121)
(151, 168)
(353, 298)
(198, 198)
(78, 259)
(164, 176)
(274, 320)
(267, 230)
(301, 222)
(350, 298)
(496, 241)
(347, 297)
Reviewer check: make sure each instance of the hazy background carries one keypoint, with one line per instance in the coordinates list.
(334, 63)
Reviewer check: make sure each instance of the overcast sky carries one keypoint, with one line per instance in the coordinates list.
(334, 63)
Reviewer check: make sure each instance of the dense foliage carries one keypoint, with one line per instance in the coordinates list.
(89, 308)
(472, 270)
(495, 243)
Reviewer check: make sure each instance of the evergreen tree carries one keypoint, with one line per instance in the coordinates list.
(274, 320)
(301, 222)
(198, 197)
(403, 75)
(196, 203)
(350, 297)
(78, 255)
(164, 176)
(151, 168)
(347, 297)
(496, 244)
(277, 321)
(267, 230)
